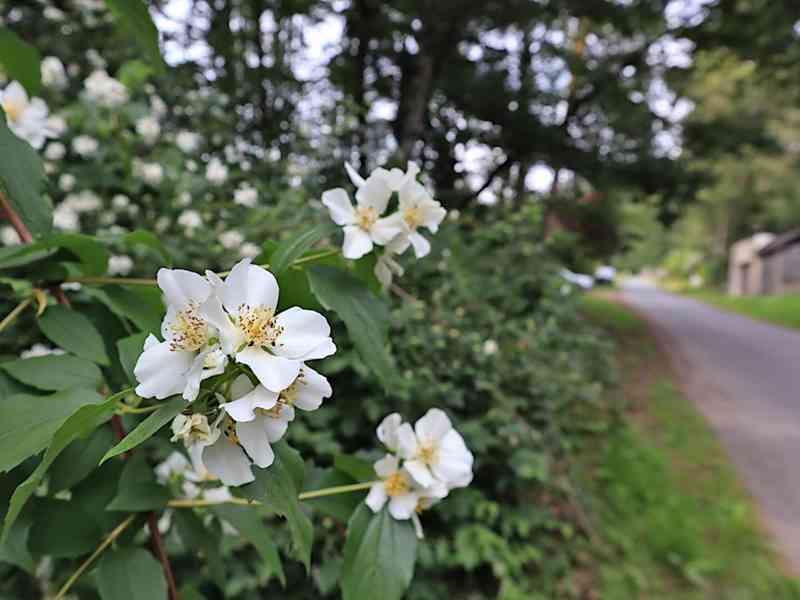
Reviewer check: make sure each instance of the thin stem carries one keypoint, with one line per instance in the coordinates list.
(20, 227)
(330, 491)
(112, 280)
(12, 316)
(131, 410)
(313, 257)
(161, 553)
(115, 533)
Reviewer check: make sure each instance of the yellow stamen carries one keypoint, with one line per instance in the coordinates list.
(259, 326)
(366, 217)
(397, 484)
(412, 216)
(229, 430)
(427, 453)
(13, 110)
(189, 331)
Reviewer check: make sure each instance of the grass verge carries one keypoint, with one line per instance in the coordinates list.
(780, 310)
(674, 519)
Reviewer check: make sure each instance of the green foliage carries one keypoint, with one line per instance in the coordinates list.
(73, 332)
(135, 18)
(55, 372)
(147, 428)
(130, 574)
(379, 555)
(293, 248)
(138, 490)
(20, 60)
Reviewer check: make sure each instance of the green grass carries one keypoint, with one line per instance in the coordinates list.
(675, 521)
(781, 310)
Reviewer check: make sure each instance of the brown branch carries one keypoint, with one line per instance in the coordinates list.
(22, 229)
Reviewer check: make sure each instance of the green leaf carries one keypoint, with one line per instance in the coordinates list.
(85, 419)
(25, 254)
(130, 348)
(140, 237)
(92, 254)
(277, 487)
(14, 548)
(358, 468)
(79, 459)
(72, 331)
(338, 506)
(63, 528)
(250, 526)
(147, 428)
(21, 176)
(130, 574)
(142, 305)
(290, 250)
(138, 490)
(20, 60)
(366, 317)
(379, 555)
(54, 372)
(134, 17)
(27, 423)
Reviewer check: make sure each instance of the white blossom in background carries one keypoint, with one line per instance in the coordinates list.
(26, 117)
(53, 14)
(490, 347)
(148, 128)
(216, 172)
(40, 350)
(83, 202)
(425, 462)
(9, 236)
(66, 182)
(187, 141)
(85, 145)
(53, 73)
(245, 195)
(190, 219)
(249, 250)
(105, 90)
(192, 478)
(66, 219)
(56, 125)
(158, 106)
(162, 223)
(150, 173)
(362, 224)
(189, 352)
(191, 166)
(120, 265)
(274, 346)
(120, 201)
(231, 239)
(55, 151)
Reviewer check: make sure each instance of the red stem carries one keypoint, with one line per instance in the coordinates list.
(116, 423)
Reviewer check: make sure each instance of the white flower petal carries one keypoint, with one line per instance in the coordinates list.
(275, 427)
(182, 287)
(386, 466)
(274, 372)
(339, 206)
(422, 247)
(357, 179)
(375, 193)
(160, 371)
(228, 462)
(387, 430)
(240, 410)
(357, 242)
(312, 389)
(230, 336)
(302, 332)
(403, 506)
(254, 440)
(407, 445)
(377, 497)
(250, 285)
(385, 230)
(419, 471)
(433, 425)
(325, 349)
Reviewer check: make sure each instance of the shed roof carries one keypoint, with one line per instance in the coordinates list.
(784, 240)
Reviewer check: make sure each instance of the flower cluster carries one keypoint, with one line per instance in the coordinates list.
(228, 332)
(365, 226)
(424, 463)
(26, 117)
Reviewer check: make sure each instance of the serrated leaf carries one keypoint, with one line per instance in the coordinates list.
(147, 428)
(73, 332)
(277, 488)
(27, 423)
(379, 554)
(364, 314)
(248, 523)
(21, 177)
(20, 61)
(129, 349)
(290, 250)
(55, 372)
(85, 419)
(134, 17)
(130, 574)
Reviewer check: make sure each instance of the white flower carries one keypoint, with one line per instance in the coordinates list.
(151, 173)
(434, 451)
(148, 128)
(84, 201)
(387, 431)
(418, 209)
(386, 267)
(158, 106)
(362, 225)
(193, 429)
(53, 73)
(56, 125)
(9, 236)
(162, 223)
(55, 151)
(120, 265)
(396, 486)
(40, 350)
(216, 172)
(187, 141)
(273, 346)
(85, 145)
(231, 239)
(105, 90)
(120, 201)
(190, 474)
(26, 117)
(249, 250)
(66, 182)
(65, 218)
(245, 195)
(490, 347)
(189, 352)
(190, 219)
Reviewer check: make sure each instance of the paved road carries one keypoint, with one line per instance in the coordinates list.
(745, 377)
